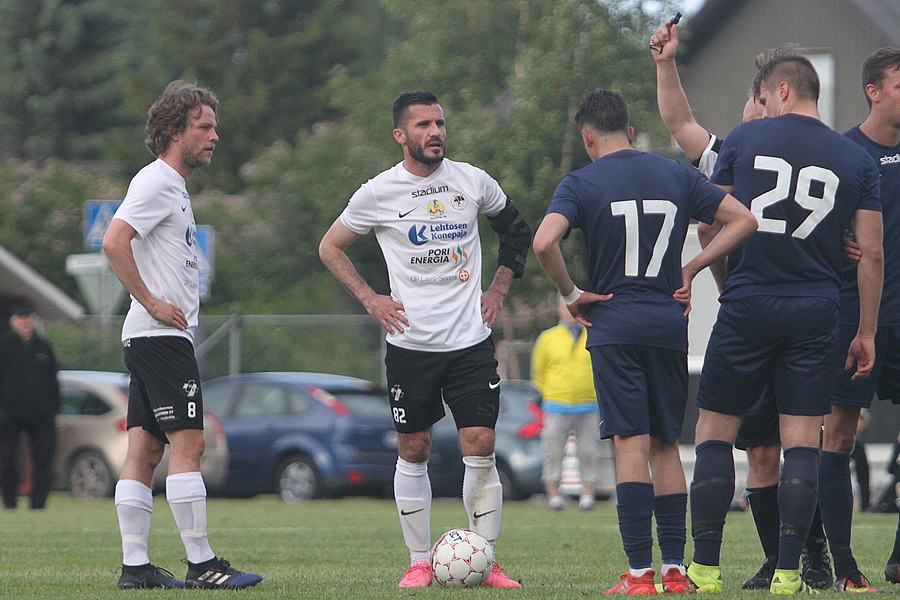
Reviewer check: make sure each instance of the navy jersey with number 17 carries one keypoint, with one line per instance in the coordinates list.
(803, 182)
(634, 209)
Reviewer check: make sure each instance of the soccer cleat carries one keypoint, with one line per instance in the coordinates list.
(499, 579)
(856, 583)
(762, 580)
(557, 503)
(892, 573)
(147, 576)
(816, 569)
(419, 574)
(675, 582)
(635, 586)
(705, 579)
(217, 573)
(586, 502)
(788, 581)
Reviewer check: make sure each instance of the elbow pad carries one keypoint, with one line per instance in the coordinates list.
(515, 238)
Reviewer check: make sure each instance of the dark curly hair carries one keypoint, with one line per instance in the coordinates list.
(169, 115)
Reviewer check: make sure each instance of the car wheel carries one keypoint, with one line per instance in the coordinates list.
(297, 479)
(90, 476)
(510, 490)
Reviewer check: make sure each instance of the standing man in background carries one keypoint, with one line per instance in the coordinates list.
(29, 402)
(150, 244)
(424, 212)
(561, 372)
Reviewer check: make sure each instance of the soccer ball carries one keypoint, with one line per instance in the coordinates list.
(461, 558)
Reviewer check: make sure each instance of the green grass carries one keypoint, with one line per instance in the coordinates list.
(352, 548)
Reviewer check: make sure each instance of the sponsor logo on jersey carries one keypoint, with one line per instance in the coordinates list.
(435, 256)
(463, 275)
(436, 209)
(458, 202)
(429, 191)
(191, 264)
(439, 278)
(459, 254)
(185, 196)
(190, 235)
(417, 236)
(887, 160)
(403, 214)
(444, 231)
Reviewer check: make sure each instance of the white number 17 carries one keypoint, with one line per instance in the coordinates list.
(628, 209)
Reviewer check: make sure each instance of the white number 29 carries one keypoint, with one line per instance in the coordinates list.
(628, 209)
(820, 206)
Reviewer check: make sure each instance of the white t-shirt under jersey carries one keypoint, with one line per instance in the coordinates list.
(158, 207)
(706, 164)
(427, 229)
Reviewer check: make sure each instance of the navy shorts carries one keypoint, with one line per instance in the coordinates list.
(641, 390)
(885, 377)
(466, 380)
(790, 341)
(164, 393)
(761, 426)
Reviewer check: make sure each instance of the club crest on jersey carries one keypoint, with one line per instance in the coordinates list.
(436, 209)
(459, 202)
(190, 388)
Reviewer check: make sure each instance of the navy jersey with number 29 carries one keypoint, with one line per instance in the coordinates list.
(804, 196)
(634, 209)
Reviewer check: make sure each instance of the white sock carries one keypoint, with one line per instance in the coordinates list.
(134, 506)
(483, 495)
(639, 572)
(412, 492)
(186, 494)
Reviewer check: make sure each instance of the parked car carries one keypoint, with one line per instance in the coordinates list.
(304, 435)
(518, 449)
(92, 438)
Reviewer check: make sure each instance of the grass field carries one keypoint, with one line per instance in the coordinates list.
(352, 549)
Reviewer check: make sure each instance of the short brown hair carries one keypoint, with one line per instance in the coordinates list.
(603, 110)
(169, 115)
(785, 63)
(877, 65)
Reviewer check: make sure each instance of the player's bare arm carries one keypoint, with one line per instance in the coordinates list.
(384, 309)
(719, 268)
(117, 246)
(549, 254)
(492, 299)
(738, 224)
(870, 273)
(674, 108)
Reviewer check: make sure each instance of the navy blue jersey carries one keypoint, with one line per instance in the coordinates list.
(803, 182)
(634, 209)
(888, 161)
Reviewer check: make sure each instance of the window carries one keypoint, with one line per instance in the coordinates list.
(824, 64)
(260, 400)
(75, 401)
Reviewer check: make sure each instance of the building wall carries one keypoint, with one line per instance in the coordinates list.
(717, 74)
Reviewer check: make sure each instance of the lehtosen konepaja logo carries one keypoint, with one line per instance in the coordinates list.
(423, 234)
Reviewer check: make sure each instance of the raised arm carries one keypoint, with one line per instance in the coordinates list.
(673, 103)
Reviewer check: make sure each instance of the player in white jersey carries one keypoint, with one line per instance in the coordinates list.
(759, 433)
(424, 212)
(151, 245)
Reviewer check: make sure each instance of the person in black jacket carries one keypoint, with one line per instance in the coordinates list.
(29, 401)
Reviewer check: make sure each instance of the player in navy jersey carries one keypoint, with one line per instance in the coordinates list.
(779, 310)
(758, 434)
(879, 135)
(634, 227)
(424, 212)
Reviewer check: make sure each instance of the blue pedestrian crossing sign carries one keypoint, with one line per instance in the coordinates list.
(206, 255)
(98, 214)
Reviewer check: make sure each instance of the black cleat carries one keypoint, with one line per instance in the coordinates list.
(816, 569)
(218, 574)
(763, 578)
(892, 573)
(147, 576)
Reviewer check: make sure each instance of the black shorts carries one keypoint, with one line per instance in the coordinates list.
(164, 394)
(466, 380)
(761, 426)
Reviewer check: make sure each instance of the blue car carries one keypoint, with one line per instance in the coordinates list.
(304, 435)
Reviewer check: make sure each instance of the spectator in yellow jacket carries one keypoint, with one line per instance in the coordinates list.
(561, 371)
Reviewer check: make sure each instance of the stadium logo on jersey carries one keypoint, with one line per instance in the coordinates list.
(436, 209)
(886, 160)
(458, 202)
(463, 275)
(459, 254)
(429, 191)
(417, 236)
(435, 256)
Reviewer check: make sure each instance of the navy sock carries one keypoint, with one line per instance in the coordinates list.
(836, 502)
(797, 499)
(671, 531)
(635, 508)
(764, 506)
(711, 493)
(895, 553)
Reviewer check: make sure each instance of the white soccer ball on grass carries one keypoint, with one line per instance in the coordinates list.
(461, 558)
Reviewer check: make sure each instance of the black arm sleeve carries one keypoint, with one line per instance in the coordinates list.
(515, 238)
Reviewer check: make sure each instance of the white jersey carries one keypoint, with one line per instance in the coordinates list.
(427, 229)
(158, 207)
(706, 164)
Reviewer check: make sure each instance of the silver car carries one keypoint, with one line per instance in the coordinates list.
(92, 437)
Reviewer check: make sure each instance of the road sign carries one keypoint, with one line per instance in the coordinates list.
(206, 255)
(97, 282)
(98, 214)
